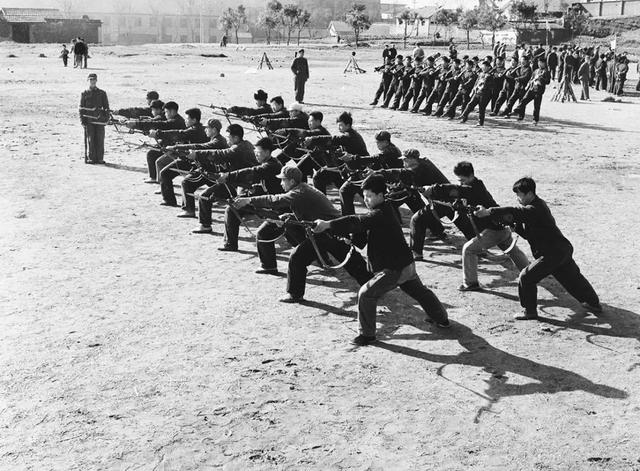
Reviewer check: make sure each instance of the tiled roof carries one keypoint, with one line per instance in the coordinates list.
(28, 15)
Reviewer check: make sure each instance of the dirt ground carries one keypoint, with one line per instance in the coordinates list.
(129, 343)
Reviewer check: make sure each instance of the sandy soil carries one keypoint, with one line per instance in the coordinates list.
(130, 343)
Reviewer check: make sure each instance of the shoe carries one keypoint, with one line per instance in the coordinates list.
(226, 248)
(479, 124)
(463, 119)
(373, 103)
(186, 214)
(520, 118)
(290, 299)
(414, 111)
(268, 271)
(493, 113)
(418, 257)
(403, 109)
(164, 203)
(202, 230)
(100, 162)
(157, 192)
(89, 162)
(363, 340)
(594, 308)
(506, 116)
(526, 316)
(150, 180)
(444, 325)
(384, 106)
(427, 113)
(471, 287)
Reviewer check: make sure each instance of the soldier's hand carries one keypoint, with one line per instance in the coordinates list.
(347, 157)
(263, 122)
(241, 202)
(222, 178)
(131, 124)
(427, 191)
(481, 212)
(153, 133)
(191, 155)
(321, 226)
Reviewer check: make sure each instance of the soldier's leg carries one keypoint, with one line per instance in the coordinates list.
(529, 278)
(482, 108)
(267, 249)
(348, 191)
(189, 185)
(569, 276)
(356, 266)
(427, 299)
(152, 156)
(99, 147)
(537, 101)
(368, 296)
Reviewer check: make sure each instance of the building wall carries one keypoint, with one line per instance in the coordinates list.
(62, 31)
(615, 8)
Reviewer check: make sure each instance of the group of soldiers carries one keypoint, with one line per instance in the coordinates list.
(442, 86)
(283, 177)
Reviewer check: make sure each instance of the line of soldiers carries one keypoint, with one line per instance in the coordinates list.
(439, 85)
(268, 181)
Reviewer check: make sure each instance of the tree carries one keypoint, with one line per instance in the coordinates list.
(405, 17)
(446, 18)
(233, 19)
(268, 22)
(491, 17)
(576, 20)
(303, 20)
(468, 21)
(524, 12)
(358, 19)
(290, 15)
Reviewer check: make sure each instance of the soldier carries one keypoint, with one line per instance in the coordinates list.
(193, 133)
(385, 80)
(552, 251)
(451, 88)
(404, 82)
(416, 84)
(498, 73)
(389, 259)
(438, 89)
(585, 78)
(463, 95)
(521, 80)
(428, 75)
(349, 140)
(291, 149)
(552, 62)
(300, 69)
(509, 81)
(302, 203)
(64, 54)
(297, 119)
(277, 111)
(397, 72)
(261, 106)
(489, 233)
(388, 157)
(139, 112)
(198, 178)
(480, 96)
(601, 72)
(173, 121)
(535, 90)
(258, 180)
(239, 155)
(94, 108)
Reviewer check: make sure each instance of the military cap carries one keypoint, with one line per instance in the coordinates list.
(260, 95)
(92, 76)
(157, 104)
(296, 107)
(290, 172)
(446, 59)
(152, 95)
(411, 154)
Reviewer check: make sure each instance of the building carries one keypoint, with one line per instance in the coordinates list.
(611, 8)
(46, 25)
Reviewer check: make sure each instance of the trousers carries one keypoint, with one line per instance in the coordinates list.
(386, 280)
(209, 196)
(95, 142)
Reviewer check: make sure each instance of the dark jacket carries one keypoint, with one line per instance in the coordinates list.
(552, 60)
(264, 175)
(388, 158)
(426, 173)
(134, 113)
(192, 135)
(93, 98)
(217, 142)
(535, 223)
(386, 245)
(177, 122)
(307, 203)
(300, 68)
(246, 111)
(351, 141)
(475, 194)
(237, 156)
(540, 79)
(522, 77)
(300, 122)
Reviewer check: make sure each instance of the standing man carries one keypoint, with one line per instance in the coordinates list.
(64, 54)
(585, 77)
(552, 62)
(300, 69)
(94, 108)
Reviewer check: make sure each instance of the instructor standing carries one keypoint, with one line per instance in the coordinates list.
(94, 107)
(300, 69)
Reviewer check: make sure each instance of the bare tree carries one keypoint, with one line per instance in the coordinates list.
(233, 19)
(358, 20)
(303, 21)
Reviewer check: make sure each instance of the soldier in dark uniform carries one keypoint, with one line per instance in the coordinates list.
(261, 106)
(428, 75)
(139, 112)
(481, 95)
(388, 157)
(403, 83)
(94, 109)
(300, 69)
(467, 81)
(552, 62)
(385, 81)
(451, 88)
(535, 90)
(508, 84)
(397, 72)
(498, 73)
(552, 251)
(173, 121)
(438, 90)
(415, 86)
(521, 80)
(239, 155)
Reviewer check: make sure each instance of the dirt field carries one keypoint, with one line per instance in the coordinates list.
(130, 343)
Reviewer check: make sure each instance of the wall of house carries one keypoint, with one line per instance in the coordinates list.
(613, 9)
(62, 31)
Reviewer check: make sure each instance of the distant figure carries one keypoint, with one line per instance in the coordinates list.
(64, 54)
(453, 52)
(223, 42)
(85, 56)
(79, 51)
(300, 69)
